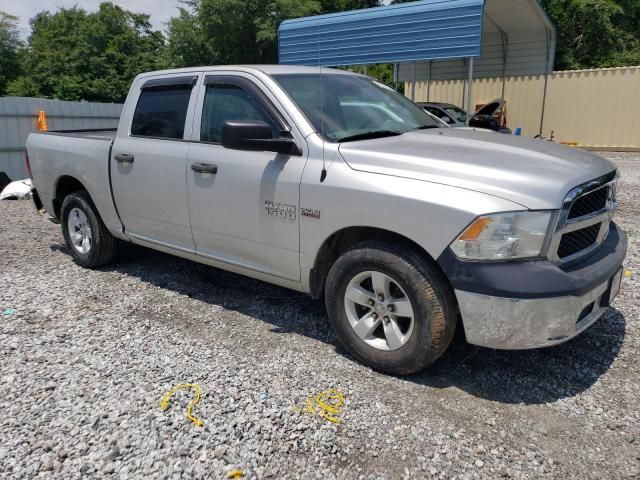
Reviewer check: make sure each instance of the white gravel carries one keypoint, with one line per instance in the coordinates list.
(87, 356)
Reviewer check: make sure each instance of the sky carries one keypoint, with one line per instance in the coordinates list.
(160, 10)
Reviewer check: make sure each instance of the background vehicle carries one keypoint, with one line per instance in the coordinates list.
(491, 116)
(447, 112)
(333, 184)
(443, 124)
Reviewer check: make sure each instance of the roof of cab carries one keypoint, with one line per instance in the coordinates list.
(266, 69)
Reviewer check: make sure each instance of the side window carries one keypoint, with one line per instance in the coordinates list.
(161, 111)
(226, 101)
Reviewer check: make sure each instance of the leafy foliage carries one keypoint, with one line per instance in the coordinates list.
(596, 33)
(10, 50)
(75, 55)
(218, 32)
(72, 54)
(222, 32)
(382, 72)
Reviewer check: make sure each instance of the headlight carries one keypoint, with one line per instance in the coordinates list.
(503, 236)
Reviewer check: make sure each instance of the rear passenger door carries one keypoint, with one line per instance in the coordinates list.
(149, 158)
(247, 213)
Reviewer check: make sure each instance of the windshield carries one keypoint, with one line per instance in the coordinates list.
(349, 107)
(458, 114)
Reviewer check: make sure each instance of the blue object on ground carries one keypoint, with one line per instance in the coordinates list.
(9, 311)
(518, 132)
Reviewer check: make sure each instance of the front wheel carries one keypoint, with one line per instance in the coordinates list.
(87, 237)
(390, 308)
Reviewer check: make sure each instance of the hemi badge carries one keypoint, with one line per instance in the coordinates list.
(310, 212)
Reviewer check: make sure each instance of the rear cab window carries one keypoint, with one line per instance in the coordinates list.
(161, 111)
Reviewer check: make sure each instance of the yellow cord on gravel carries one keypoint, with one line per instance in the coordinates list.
(328, 402)
(164, 404)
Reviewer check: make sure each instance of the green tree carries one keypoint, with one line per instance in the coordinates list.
(595, 33)
(75, 55)
(382, 72)
(211, 32)
(331, 6)
(10, 50)
(187, 42)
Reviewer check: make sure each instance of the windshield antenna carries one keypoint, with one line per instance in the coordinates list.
(323, 174)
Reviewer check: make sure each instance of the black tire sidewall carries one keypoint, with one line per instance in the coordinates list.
(419, 351)
(80, 201)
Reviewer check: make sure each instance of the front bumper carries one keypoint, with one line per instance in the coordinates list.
(531, 304)
(514, 324)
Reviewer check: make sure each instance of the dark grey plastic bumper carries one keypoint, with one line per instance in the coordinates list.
(530, 304)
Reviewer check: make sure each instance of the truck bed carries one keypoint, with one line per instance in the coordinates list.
(82, 155)
(93, 133)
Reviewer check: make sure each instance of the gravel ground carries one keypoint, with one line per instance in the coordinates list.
(88, 355)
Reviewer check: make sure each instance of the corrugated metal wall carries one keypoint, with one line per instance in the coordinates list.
(396, 33)
(18, 116)
(595, 108)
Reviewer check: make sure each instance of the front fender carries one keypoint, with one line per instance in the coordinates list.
(431, 215)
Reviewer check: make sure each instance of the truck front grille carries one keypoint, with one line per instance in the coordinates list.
(590, 203)
(584, 220)
(578, 240)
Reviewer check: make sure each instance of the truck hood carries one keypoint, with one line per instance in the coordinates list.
(534, 173)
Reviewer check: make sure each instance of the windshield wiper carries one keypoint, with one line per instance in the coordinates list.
(371, 135)
(426, 127)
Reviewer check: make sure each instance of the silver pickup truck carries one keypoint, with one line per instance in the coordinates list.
(331, 183)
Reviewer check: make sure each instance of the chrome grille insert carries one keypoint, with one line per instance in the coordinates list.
(589, 203)
(578, 240)
(584, 220)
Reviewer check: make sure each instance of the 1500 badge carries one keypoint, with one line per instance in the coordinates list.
(280, 210)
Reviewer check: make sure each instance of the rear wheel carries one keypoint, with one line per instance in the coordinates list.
(390, 308)
(85, 234)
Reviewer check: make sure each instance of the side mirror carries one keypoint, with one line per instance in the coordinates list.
(446, 119)
(254, 135)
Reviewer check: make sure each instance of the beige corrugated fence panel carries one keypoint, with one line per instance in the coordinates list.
(597, 108)
(593, 108)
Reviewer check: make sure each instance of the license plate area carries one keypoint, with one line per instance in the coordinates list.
(615, 285)
(613, 290)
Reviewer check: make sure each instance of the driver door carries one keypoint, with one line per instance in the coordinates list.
(244, 209)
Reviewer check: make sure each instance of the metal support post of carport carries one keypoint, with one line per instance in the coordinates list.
(413, 82)
(469, 90)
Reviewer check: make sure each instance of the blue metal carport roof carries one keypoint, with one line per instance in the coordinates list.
(423, 30)
(430, 39)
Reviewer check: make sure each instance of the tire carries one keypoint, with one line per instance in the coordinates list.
(92, 245)
(399, 345)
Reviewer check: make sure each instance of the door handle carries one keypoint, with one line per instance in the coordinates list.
(204, 168)
(123, 158)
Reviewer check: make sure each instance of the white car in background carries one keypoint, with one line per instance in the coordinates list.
(446, 125)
